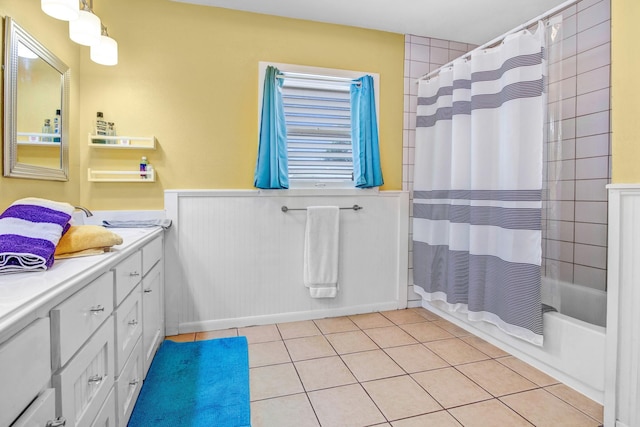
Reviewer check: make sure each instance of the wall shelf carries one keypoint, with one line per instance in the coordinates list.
(121, 176)
(38, 139)
(124, 142)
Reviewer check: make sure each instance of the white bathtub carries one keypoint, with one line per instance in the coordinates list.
(573, 351)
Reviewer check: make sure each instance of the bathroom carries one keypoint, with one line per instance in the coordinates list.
(189, 76)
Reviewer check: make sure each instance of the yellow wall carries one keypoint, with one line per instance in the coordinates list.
(625, 99)
(53, 34)
(189, 75)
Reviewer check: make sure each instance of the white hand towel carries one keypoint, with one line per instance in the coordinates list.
(321, 251)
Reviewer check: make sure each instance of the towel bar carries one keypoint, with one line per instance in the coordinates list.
(286, 209)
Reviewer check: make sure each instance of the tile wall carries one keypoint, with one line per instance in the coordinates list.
(578, 152)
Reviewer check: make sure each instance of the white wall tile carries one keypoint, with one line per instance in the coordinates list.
(591, 234)
(592, 189)
(561, 211)
(591, 277)
(569, 46)
(440, 43)
(568, 88)
(559, 270)
(439, 55)
(569, 25)
(584, 4)
(594, 15)
(592, 168)
(593, 80)
(560, 230)
(562, 190)
(455, 54)
(591, 59)
(568, 108)
(419, 53)
(420, 40)
(594, 36)
(559, 250)
(592, 124)
(595, 212)
(418, 69)
(593, 146)
(567, 170)
(592, 256)
(593, 102)
(568, 128)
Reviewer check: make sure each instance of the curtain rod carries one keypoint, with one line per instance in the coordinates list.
(286, 209)
(545, 15)
(302, 76)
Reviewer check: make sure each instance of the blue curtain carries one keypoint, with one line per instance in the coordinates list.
(364, 135)
(272, 170)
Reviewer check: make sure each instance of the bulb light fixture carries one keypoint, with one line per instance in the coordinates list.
(86, 30)
(65, 10)
(105, 52)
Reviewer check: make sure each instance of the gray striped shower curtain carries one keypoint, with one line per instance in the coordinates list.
(477, 193)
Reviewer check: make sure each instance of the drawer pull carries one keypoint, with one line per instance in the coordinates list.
(134, 274)
(96, 309)
(134, 382)
(58, 422)
(133, 322)
(148, 291)
(96, 379)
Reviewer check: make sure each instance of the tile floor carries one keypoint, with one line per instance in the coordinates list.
(402, 368)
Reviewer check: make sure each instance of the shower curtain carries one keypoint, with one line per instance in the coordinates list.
(478, 185)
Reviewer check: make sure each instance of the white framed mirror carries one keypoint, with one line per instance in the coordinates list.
(36, 108)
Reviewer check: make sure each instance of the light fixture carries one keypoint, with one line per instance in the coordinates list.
(86, 30)
(65, 10)
(105, 52)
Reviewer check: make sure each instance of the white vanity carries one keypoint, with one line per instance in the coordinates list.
(76, 341)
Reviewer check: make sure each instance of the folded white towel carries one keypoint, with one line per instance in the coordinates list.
(321, 251)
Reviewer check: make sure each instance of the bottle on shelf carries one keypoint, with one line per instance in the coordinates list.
(143, 167)
(101, 128)
(46, 128)
(56, 126)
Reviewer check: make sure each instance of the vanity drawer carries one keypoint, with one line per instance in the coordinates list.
(128, 275)
(25, 369)
(84, 384)
(107, 415)
(73, 321)
(128, 385)
(128, 318)
(41, 412)
(151, 254)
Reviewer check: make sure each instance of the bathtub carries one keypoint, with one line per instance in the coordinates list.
(574, 336)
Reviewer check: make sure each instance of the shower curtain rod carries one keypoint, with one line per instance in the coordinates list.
(302, 76)
(498, 39)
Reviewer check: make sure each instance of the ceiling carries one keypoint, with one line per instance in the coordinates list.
(468, 21)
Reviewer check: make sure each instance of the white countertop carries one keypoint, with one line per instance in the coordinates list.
(27, 296)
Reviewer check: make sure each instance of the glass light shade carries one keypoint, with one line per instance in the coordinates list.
(65, 10)
(86, 30)
(106, 52)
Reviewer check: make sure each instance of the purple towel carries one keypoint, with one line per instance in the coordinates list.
(29, 232)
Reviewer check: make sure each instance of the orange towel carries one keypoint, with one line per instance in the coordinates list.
(83, 240)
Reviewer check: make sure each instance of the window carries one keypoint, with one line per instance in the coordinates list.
(317, 109)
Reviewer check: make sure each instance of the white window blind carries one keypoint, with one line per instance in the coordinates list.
(318, 118)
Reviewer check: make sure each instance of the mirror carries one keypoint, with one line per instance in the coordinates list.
(36, 100)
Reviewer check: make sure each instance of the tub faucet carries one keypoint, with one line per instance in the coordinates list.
(86, 211)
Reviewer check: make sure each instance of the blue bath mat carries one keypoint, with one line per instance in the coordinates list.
(196, 384)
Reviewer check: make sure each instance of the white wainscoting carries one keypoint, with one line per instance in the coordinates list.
(622, 384)
(235, 259)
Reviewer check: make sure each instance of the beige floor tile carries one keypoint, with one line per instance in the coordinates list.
(485, 347)
(452, 328)
(400, 397)
(455, 351)
(580, 401)
(497, 379)
(426, 331)
(426, 313)
(490, 413)
(435, 419)
(309, 348)
(450, 388)
(415, 358)
(391, 336)
(305, 328)
(274, 381)
(543, 409)
(370, 320)
(346, 406)
(286, 411)
(528, 371)
(261, 333)
(351, 342)
(333, 325)
(325, 372)
(182, 337)
(400, 317)
(222, 333)
(371, 365)
(267, 353)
